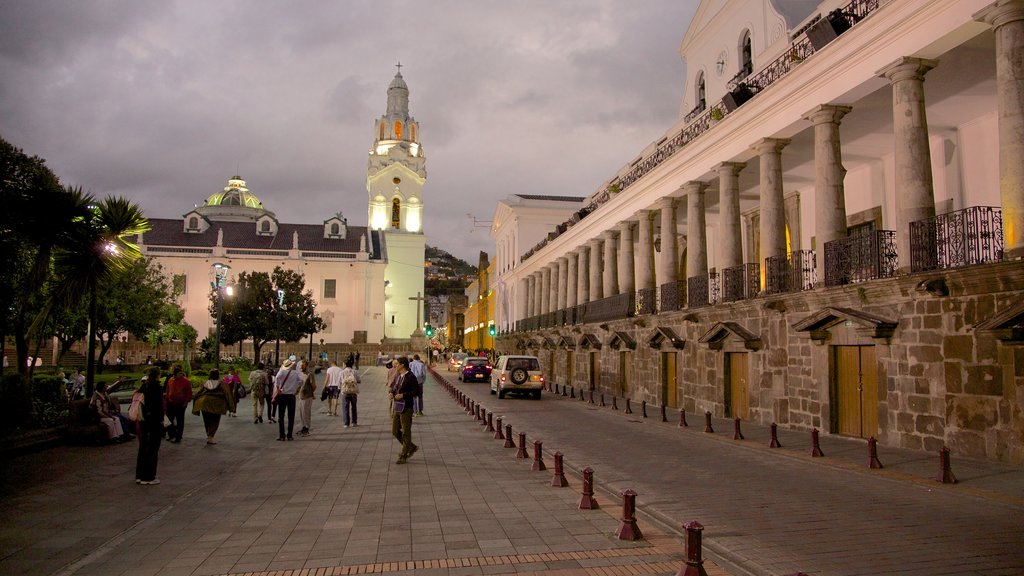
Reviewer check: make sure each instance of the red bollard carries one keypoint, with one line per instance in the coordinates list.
(815, 447)
(587, 501)
(682, 418)
(615, 403)
(509, 443)
(873, 461)
(476, 411)
(664, 418)
(521, 454)
(945, 472)
(738, 434)
(629, 409)
(558, 479)
(694, 559)
(602, 400)
(643, 408)
(490, 421)
(628, 530)
(497, 431)
(775, 437)
(483, 416)
(591, 401)
(707, 423)
(538, 458)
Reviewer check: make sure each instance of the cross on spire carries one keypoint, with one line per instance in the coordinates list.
(399, 66)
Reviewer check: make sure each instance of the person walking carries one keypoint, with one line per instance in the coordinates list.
(419, 370)
(234, 383)
(286, 385)
(151, 428)
(306, 395)
(178, 394)
(213, 400)
(332, 383)
(357, 360)
(401, 421)
(271, 405)
(258, 388)
(350, 382)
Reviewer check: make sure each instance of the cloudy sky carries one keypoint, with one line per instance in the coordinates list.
(162, 101)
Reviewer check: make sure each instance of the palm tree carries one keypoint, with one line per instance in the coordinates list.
(94, 247)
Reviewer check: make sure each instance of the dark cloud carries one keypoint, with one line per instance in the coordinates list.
(164, 101)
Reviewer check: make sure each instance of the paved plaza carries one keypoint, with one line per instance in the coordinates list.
(331, 503)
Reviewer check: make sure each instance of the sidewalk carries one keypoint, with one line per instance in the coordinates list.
(331, 503)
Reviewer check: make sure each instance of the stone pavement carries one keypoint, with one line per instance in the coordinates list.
(331, 503)
(778, 510)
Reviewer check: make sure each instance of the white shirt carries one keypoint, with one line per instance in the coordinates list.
(334, 376)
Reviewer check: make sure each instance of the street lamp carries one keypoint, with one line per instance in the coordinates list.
(277, 328)
(220, 272)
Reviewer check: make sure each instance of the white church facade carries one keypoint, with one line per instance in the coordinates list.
(366, 281)
(829, 237)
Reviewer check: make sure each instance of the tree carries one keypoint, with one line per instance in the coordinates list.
(172, 328)
(133, 300)
(69, 325)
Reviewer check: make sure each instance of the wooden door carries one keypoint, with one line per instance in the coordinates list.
(594, 380)
(669, 380)
(737, 402)
(568, 367)
(855, 391)
(624, 365)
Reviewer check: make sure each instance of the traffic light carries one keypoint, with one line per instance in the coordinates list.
(430, 331)
(492, 330)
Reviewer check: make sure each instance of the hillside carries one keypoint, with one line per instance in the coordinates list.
(447, 274)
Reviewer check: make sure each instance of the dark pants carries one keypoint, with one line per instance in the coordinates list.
(348, 408)
(211, 421)
(401, 429)
(285, 404)
(176, 414)
(150, 435)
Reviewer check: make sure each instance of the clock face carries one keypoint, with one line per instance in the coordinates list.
(721, 62)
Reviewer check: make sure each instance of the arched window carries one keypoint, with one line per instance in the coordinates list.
(193, 222)
(265, 226)
(398, 129)
(746, 55)
(396, 213)
(412, 132)
(334, 229)
(702, 100)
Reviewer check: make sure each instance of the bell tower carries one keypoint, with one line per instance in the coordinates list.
(395, 175)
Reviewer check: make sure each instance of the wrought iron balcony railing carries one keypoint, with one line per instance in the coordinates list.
(961, 238)
(859, 258)
(612, 308)
(646, 301)
(673, 296)
(741, 282)
(793, 272)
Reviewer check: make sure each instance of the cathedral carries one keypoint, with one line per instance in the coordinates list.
(367, 281)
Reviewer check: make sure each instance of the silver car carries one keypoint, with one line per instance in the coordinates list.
(517, 375)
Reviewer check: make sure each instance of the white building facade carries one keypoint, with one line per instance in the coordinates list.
(829, 237)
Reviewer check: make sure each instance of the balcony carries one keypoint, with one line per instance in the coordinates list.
(607, 309)
(793, 272)
(673, 296)
(645, 301)
(702, 291)
(860, 258)
(962, 238)
(741, 282)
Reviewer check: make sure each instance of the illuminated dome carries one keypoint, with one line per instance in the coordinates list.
(234, 194)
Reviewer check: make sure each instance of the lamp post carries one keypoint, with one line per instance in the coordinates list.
(277, 328)
(220, 272)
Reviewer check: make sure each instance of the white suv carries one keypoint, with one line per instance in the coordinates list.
(517, 375)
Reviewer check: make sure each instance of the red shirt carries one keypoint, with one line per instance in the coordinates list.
(179, 390)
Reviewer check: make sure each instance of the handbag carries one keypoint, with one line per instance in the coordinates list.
(399, 406)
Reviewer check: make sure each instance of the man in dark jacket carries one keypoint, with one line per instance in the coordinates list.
(151, 428)
(404, 390)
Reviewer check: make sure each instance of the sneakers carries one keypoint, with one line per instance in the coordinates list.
(256, 421)
(280, 438)
(401, 460)
(148, 482)
(413, 451)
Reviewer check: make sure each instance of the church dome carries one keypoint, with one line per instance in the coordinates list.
(234, 194)
(398, 82)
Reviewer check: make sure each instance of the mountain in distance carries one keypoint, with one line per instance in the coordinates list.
(446, 274)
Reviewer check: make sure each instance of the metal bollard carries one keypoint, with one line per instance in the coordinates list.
(521, 454)
(643, 408)
(628, 530)
(664, 417)
(565, 389)
(476, 412)
(775, 437)
(945, 472)
(682, 418)
(591, 401)
(873, 461)
(738, 434)
(694, 558)
(815, 447)
(602, 400)
(587, 501)
(497, 431)
(707, 423)
(483, 416)
(538, 456)
(572, 392)
(490, 421)
(582, 398)
(629, 409)
(509, 443)
(558, 479)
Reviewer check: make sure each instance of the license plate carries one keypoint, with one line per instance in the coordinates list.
(480, 376)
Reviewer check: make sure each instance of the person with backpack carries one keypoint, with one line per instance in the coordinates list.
(213, 400)
(350, 382)
(258, 385)
(151, 426)
(332, 387)
(178, 394)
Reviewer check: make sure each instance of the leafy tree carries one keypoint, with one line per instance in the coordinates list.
(172, 327)
(69, 325)
(132, 300)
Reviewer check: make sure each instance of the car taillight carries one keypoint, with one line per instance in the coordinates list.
(489, 367)
(541, 377)
(502, 377)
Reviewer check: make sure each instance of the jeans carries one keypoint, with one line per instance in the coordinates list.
(176, 414)
(417, 403)
(348, 408)
(285, 403)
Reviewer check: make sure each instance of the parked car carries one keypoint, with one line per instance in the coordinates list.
(457, 360)
(475, 369)
(517, 375)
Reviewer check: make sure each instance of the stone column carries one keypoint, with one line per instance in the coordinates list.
(772, 213)
(572, 278)
(545, 290)
(915, 198)
(829, 194)
(596, 287)
(553, 293)
(538, 291)
(730, 242)
(583, 278)
(522, 301)
(627, 271)
(531, 295)
(1007, 18)
(668, 264)
(563, 281)
(696, 230)
(645, 252)
(610, 274)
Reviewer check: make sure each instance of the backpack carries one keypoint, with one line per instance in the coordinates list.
(349, 384)
(135, 410)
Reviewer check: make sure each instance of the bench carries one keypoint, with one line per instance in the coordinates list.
(84, 426)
